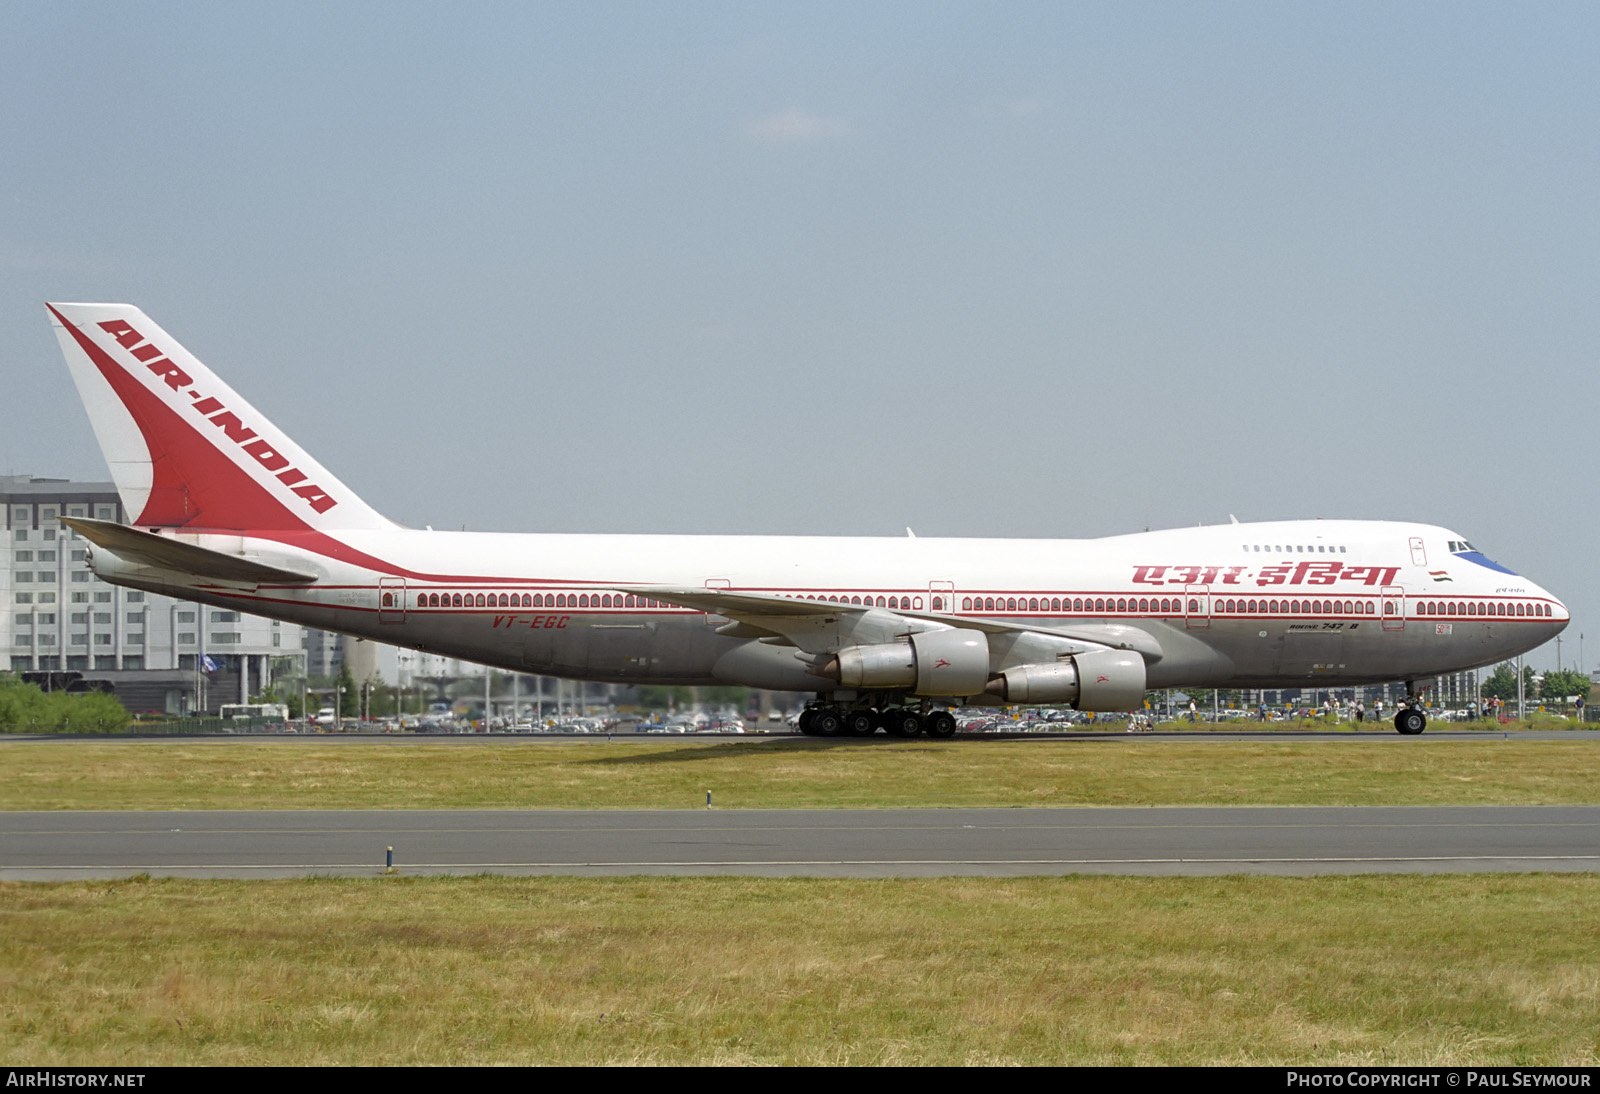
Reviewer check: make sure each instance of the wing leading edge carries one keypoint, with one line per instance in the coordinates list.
(786, 617)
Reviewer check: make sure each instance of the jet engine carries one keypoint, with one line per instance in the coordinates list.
(945, 663)
(1098, 680)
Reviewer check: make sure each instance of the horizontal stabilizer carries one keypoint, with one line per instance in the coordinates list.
(133, 545)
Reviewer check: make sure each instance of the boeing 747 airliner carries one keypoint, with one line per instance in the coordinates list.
(886, 632)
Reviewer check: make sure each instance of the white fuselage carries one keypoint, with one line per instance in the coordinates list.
(225, 508)
(1245, 605)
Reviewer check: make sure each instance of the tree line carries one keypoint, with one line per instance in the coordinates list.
(26, 708)
(1557, 684)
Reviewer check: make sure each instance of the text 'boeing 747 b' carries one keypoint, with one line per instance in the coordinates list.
(888, 633)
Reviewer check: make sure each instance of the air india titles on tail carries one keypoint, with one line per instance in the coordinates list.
(212, 410)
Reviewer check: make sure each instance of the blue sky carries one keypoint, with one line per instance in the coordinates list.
(1014, 269)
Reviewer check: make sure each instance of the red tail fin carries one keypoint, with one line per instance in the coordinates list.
(185, 450)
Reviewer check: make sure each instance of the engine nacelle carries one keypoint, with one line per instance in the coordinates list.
(945, 663)
(890, 665)
(952, 663)
(1099, 680)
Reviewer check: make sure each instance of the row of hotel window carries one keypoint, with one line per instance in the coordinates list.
(101, 597)
(45, 619)
(102, 662)
(20, 513)
(23, 535)
(185, 638)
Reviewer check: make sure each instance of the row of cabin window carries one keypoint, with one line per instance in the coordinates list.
(1298, 607)
(527, 600)
(1068, 604)
(986, 603)
(907, 603)
(1315, 549)
(1160, 604)
(613, 600)
(1451, 607)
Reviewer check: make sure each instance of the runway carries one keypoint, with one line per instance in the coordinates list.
(42, 846)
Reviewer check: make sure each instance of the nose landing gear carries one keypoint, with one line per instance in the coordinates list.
(1409, 719)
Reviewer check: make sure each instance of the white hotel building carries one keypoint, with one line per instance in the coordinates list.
(61, 618)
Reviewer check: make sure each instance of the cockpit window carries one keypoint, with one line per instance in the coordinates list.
(1466, 552)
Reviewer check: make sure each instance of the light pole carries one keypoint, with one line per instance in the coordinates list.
(1522, 711)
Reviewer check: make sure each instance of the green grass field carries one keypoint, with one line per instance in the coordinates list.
(795, 774)
(1251, 970)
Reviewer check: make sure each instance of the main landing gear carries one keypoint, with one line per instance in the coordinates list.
(831, 720)
(1409, 719)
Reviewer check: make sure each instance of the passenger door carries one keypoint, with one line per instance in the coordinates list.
(391, 600)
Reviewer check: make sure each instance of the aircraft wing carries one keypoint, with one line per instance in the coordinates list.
(132, 545)
(782, 616)
(737, 604)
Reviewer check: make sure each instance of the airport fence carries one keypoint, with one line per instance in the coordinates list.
(180, 727)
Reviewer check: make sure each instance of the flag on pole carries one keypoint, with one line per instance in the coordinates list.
(206, 664)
